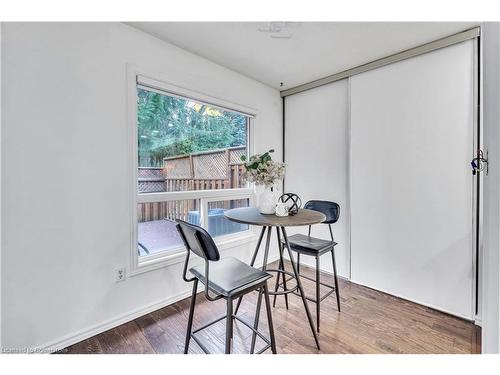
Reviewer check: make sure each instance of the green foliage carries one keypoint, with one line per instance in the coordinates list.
(171, 126)
(258, 159)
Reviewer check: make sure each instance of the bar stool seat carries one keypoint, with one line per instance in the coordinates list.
(310, 245)
(230, 276)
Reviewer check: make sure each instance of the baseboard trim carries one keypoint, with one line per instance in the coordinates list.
(71, 339)
(84, 334)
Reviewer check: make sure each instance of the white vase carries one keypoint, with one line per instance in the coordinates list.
(266, 202)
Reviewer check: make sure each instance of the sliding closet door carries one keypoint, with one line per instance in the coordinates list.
(411, 182)
(316, 158)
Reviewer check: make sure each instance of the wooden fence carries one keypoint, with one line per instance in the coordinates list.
(166, 210)
(212, 170)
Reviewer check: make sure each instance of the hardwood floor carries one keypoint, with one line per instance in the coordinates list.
(370, 322)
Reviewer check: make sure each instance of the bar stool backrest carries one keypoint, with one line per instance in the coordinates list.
(330, 209)
(198, 240)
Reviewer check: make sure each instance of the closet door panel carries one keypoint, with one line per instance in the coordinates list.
(316, 149)
(411, 182)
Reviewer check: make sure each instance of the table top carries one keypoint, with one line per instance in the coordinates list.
(251, 215)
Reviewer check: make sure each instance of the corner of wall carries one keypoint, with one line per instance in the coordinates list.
(1, 25)
(490, 97)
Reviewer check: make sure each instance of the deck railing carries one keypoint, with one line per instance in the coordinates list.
(212, 170)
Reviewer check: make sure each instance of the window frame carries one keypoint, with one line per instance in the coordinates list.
(139, 264)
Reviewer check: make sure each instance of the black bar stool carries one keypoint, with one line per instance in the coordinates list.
(316, 247)
(226, 278)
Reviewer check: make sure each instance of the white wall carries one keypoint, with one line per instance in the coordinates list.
(490, 35)
(317, 166)
(65, 174)
(0, 184)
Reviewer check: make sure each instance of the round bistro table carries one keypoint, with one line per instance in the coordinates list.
(252, 216)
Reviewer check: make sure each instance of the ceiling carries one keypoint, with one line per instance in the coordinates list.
(293, 53)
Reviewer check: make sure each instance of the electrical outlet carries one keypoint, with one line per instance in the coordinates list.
(120, 274)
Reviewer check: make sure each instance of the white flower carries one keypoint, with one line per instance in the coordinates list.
(262, 170)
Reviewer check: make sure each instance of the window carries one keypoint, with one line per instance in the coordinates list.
(188, 167)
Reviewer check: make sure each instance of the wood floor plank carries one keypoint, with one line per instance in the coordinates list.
(370, 322)
(125, 339)
(90, 346)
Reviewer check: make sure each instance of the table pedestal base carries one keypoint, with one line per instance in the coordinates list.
(296, 289)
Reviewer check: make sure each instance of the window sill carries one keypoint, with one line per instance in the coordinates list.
(178, 255)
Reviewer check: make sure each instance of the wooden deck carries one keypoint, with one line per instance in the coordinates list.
(370, 322)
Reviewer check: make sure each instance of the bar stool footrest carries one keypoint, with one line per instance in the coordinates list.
(288, 290)
(332, 289)
(311, 279)
(203, 347)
